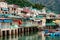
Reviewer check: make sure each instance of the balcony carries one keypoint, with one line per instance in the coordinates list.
(4, 9)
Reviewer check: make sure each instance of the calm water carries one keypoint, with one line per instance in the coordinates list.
(28, 36)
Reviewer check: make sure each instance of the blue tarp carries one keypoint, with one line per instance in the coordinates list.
(57, 33)
(7, 20)
(1, 20)
(52, 35)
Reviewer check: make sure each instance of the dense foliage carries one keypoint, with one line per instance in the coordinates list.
(23, 3)
(53, 5)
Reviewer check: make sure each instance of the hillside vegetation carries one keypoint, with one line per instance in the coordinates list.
(24, 3)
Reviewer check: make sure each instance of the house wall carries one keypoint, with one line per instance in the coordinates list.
(3, 4)
(4, 25)
(43, 22)
(11, 8)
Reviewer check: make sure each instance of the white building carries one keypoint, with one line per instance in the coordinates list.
(19, 10)
(3, 4)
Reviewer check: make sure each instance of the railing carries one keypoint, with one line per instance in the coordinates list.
(9, 27)
(29, 24)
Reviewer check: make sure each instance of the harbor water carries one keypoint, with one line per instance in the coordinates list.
(29, 36)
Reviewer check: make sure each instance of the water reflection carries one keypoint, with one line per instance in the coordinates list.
(55, 38)
(28, 36)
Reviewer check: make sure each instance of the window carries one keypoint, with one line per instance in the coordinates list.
(14, 14)
(49, 20)
(14, 8)
(10, 23)
(23, 12)
(1, 8)
(8, 9)
(5, 12)
(4, 25)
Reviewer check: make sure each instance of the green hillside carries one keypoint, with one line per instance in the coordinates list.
(24, 3)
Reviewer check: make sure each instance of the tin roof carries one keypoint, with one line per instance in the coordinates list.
(5, 9)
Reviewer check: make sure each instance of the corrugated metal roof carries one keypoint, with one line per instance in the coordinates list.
(5, 9)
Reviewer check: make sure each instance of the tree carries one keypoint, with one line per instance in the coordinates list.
(38, 6)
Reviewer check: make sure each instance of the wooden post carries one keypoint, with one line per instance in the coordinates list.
(9, 32)
(0, 33)
(22, 29)
(5, 32)
(12, 32)
(16, 31)
(28, 30)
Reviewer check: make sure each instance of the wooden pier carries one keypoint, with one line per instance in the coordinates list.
(7, 32)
